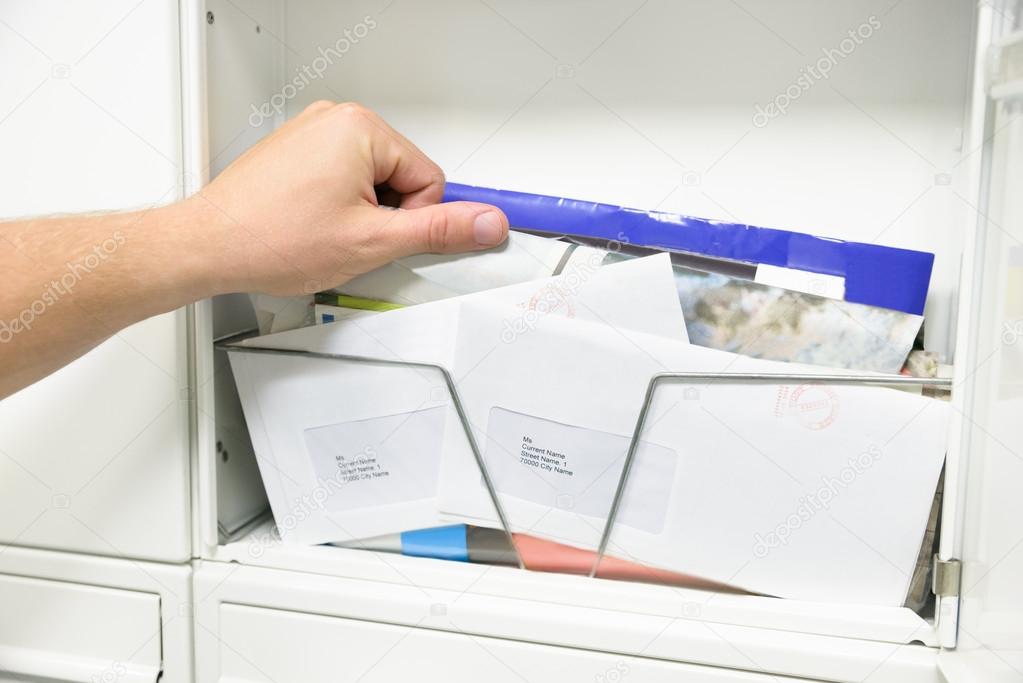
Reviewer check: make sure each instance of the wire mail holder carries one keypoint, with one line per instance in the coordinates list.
(732, 378)
(488, 482)
(655, 381)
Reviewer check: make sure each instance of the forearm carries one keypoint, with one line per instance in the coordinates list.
(71, 282)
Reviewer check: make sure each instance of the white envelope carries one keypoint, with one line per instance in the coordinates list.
(810, 492)
(430, 277)
(350, 450)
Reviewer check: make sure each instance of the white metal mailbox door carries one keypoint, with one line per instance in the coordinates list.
(990, 629)
(95, 457)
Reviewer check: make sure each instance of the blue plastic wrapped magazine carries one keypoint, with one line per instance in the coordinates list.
(870, 274)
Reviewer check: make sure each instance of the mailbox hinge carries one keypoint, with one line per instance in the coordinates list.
(945, 577)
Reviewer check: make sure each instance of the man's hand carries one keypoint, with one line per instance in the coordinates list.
(295, 214)
(298, 212)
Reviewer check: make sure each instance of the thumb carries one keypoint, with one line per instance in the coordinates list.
(446, 228)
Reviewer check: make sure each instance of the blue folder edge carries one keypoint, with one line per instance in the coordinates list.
(442, 543)
(874, 275)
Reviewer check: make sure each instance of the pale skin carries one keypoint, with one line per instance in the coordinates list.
(297, 213)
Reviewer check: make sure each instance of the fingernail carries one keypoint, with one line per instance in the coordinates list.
(488, 229)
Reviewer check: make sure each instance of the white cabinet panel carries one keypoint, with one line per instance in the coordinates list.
(72, 617)
(229, 598)
(257, 644)
(92, 120)
(95, 457)
(71, 632)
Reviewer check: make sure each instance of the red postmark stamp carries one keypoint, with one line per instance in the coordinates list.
(552, 298)
(815, 406)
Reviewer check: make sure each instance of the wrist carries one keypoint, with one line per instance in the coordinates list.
(202, 252)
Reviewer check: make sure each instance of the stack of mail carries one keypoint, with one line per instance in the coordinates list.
(793, 489)
(301, 410)
(484, 545)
